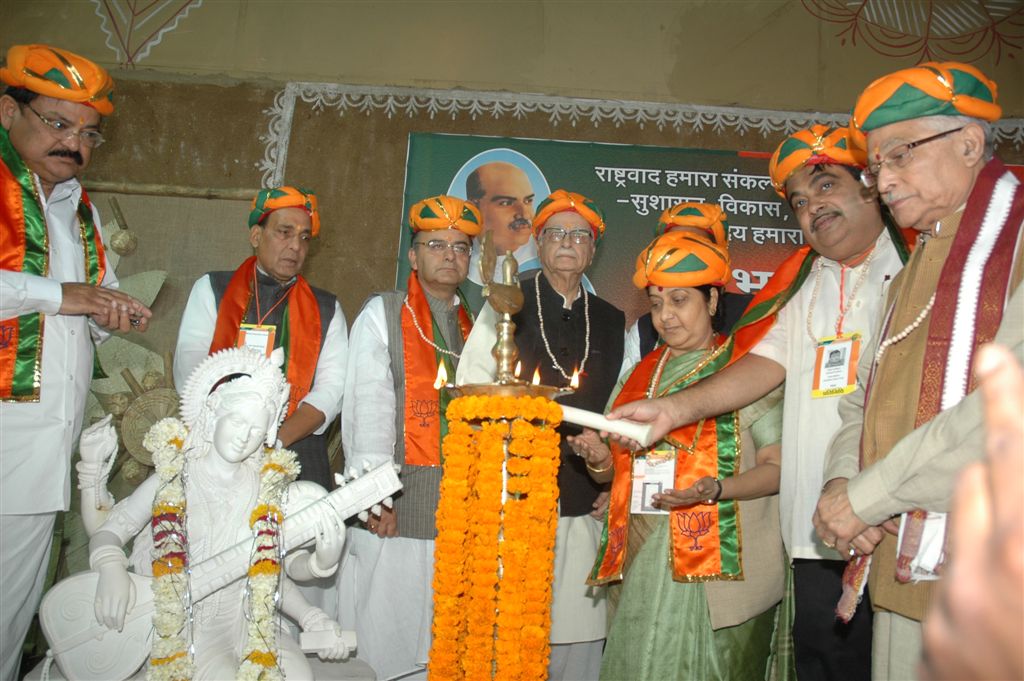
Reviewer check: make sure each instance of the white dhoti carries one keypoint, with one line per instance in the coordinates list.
(385, 593)
(577, 610)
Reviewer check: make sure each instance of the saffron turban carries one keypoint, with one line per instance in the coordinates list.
(276, 198)
(816, 145)
(561, 201)
(704, 216)
(683, 260)
(445, 212)
(57, 73)
(931, 89)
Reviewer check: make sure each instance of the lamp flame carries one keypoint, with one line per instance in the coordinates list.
(519, 367)
(442, 376)
(536, 376)
(574, 382)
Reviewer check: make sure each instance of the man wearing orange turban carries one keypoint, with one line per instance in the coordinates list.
(826, 295)
(914, 420)
(394, 413)
(55, 286)
(564, 327)
(266, 303)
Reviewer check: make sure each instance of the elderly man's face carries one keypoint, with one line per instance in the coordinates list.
(937, 178)
(507, 205)
(53, 155)
(282, 242)
(566, 256)
(839, 217)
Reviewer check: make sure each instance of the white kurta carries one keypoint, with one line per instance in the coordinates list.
(195, 334)
(34, 478)
(384, 585)
(808, 423)
(37, 438)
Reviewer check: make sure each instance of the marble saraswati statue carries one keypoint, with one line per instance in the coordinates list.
(210, 531)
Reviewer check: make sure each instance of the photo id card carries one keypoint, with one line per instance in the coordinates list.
(653, 473)
(835, 366)
(259, 337)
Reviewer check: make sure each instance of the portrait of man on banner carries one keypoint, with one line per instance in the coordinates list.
(504, 185)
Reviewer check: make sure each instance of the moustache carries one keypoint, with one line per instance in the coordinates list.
(520, 223)
(68, 153)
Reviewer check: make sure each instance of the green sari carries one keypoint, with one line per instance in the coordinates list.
(662, 629)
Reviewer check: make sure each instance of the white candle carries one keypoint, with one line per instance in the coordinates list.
(641, 432)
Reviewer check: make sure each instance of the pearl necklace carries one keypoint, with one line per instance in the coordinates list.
(544, 336)
(842, 309)
(416, 323)
(893, 340)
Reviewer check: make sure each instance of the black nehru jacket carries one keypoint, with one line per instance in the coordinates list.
(566, 333)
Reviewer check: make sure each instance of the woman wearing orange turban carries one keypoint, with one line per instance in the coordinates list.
(703, 496)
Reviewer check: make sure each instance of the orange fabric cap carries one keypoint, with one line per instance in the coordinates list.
(267, 201)
(445, 212)
(683, 260)
(57, 73)
(561, 201)
(816, 145)
(931, 89)
(706, 216)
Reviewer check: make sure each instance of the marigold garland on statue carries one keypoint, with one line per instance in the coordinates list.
(490, 573)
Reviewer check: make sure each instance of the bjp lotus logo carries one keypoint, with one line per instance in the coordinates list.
(425, 410)
(694, 524)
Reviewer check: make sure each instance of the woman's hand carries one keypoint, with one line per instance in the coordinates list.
(700, 492)
(594, 451)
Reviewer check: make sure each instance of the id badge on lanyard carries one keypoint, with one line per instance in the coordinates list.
(259, 337)
(653, 473)
(835, 366)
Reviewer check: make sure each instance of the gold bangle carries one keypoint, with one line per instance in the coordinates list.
(599, 470)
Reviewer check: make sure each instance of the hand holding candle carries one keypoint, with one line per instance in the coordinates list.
(638, 432)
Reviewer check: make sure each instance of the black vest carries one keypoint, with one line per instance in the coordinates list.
(566, 334)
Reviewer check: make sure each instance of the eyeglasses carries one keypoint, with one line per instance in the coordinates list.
(440, 245)
(558, 234)
(898, 157)
(63, 130)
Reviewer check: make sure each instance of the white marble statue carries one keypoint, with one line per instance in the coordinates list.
(231, 406)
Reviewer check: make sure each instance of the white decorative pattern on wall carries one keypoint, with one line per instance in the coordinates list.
(411, 102)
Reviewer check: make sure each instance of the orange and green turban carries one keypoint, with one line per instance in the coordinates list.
(57, 73)
(445, 212)
(561, 201)
(705, 216)
(683, 260)
(276, 198)
(931, 89)
(816, 145)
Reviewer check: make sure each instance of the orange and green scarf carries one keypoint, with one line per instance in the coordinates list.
(300, 327)
(24, 247)
(425, 406)
(705, 539)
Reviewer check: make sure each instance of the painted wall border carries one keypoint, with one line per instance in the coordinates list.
(412, 102)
